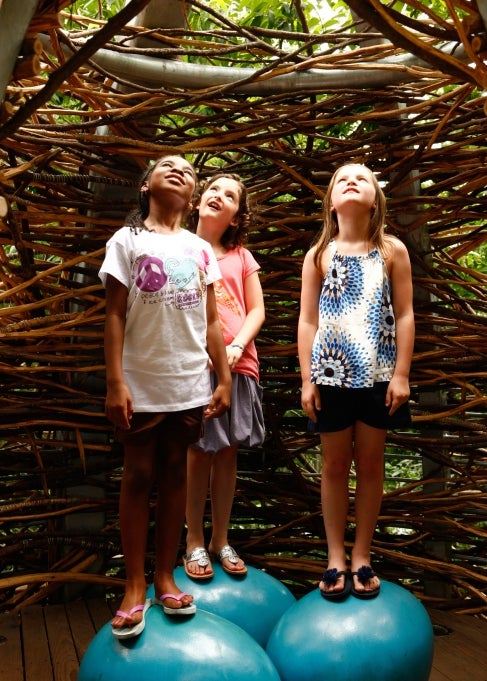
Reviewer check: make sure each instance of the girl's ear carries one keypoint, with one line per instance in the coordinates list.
(234, 222)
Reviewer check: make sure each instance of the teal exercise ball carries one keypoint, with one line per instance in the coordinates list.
(387, 638)
(255, 601)
(202, 647)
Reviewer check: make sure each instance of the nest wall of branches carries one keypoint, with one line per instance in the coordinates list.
(74, 139)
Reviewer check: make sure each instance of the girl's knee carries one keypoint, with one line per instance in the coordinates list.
(173, 468)
(336, 469)
(138, 479)
(369, 470)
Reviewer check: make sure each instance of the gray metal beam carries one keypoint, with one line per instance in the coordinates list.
(14, 22)
(482, 6)
(160, 14)
(155, 72)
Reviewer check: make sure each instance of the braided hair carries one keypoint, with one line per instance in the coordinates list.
(136, 218)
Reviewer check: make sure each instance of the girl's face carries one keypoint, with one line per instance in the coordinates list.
(353, 186)
(220, 202)
(174, 174)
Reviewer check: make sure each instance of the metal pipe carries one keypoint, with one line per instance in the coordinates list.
(156, 72)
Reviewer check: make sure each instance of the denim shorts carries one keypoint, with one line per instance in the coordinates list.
(342, 407)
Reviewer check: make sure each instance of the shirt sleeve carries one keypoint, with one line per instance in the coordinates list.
(213, 272)
(250, 264)
(116, 262)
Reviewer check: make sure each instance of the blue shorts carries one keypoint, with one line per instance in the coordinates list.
(342, 407)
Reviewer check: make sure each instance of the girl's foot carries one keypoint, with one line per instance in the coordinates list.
(197, 564)
(176, 604)
(334, 584)
(366, 584)
(230, 560)
(130, 611)
(170, 596)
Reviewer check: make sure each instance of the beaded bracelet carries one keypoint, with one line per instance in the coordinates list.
(237, 345)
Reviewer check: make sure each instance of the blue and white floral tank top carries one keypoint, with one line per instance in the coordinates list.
(355, 344)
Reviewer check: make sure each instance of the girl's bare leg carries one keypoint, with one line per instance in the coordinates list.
(136, 487)
(223, 482)
(199, 465)
(170, 511)
(337, 451)
(369, 463)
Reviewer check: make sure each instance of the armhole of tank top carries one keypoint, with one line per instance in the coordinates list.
(333, 249)
(386, 264)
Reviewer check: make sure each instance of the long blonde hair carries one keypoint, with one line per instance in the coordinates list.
(330, 221)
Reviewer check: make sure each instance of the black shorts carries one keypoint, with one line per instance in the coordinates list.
(342, 407)
(184, 426)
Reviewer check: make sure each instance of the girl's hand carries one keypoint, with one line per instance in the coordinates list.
(310, 400)
(118, 406)
(397, 393)
(234, 354)
(219, 402)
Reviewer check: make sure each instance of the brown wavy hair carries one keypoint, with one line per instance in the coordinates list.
(234, 235)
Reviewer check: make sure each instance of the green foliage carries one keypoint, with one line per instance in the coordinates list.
(400, 470)
(282, 18)
(95, 9)
(476, 260)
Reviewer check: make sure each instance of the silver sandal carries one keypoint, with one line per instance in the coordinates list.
(228, 552)
(201, 557)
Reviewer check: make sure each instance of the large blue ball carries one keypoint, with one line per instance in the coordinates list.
(388, 638)
(203, 647)
(255, 601)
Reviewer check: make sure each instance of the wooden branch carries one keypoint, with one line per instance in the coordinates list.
(388, 22)
(67, 184)
(63, 72)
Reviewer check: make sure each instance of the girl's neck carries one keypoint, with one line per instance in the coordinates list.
(218, 249)
(353, 236)
(212, 238)
(164, 222)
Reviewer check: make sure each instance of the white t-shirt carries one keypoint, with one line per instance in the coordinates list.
(165, 361)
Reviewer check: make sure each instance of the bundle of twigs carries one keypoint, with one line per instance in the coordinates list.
(67, 181)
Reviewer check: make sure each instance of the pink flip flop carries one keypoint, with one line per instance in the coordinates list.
(183, 611)
(132, 630)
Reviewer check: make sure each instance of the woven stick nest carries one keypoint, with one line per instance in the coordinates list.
(74, 139)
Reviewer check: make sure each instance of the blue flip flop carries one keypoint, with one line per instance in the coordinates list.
(330, 578)
(363, 575)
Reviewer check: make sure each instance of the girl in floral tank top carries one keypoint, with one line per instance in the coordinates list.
(355, 343)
